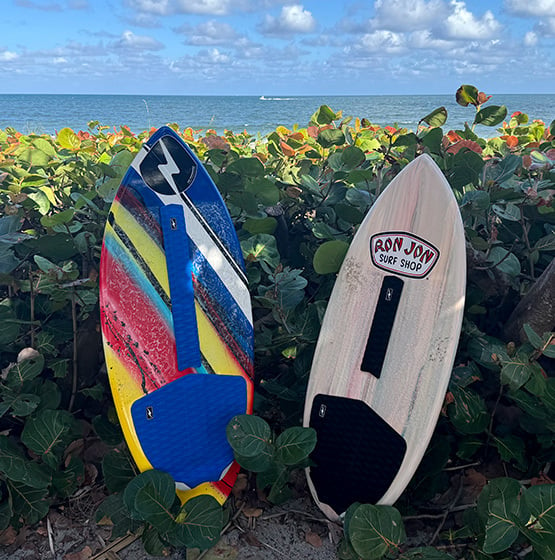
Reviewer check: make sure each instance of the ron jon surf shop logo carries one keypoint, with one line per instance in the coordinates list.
(403, 253)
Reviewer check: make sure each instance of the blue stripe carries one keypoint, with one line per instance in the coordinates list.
(223, 302)
(136, 274)
(180, 277)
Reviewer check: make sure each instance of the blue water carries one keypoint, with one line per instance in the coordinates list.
(48, 113)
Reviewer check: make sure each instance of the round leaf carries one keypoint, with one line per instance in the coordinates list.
(248, 435)
(436, 118)
(68, 139)
(295, 444)
(375, 531)
(491, 116)
(199, 523)
(159, 494)
(329, 256)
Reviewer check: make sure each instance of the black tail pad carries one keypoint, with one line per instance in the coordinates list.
(380, 332)
(357, 454)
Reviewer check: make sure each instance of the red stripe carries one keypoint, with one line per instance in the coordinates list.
(136, 331)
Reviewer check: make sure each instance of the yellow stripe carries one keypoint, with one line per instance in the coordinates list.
(213, 348)
(201, 490)
(125, 391)
(144, 244)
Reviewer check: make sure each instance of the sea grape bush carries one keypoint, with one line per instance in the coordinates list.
(296, 197)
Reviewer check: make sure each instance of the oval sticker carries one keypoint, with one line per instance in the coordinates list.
(403, 253)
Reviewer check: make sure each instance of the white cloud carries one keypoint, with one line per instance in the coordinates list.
(169, 7)
(462, 24)
(425, 40)
(546, 27)
(209, 33)
(530, 39)
(383, 41)
(6, 56)
(531, 8)
(293, 19)
(408, 15)
(129, 40)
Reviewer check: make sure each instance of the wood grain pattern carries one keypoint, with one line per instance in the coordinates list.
(410, 391)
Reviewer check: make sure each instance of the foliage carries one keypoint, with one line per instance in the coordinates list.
(257, 449)
(297, 197)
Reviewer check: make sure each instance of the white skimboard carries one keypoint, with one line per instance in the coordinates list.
(387, 343)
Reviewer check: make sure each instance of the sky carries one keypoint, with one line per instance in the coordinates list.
(276, 47)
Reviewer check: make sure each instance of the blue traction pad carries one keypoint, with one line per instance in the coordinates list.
(180, 278)
(181, 426)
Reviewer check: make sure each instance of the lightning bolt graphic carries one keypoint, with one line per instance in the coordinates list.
(169, 168)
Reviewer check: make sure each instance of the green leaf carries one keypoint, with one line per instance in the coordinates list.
(511, 449)
(467, 95)
(476, 201)
(432, 140)
(19, 469)
(45, 145)
(352, 157)
(248, 435)
(114, 510)
(295, 444)
(118, 470)
(47, 434)
(491, 116)
(160, 487)
(6, 514)
(34, 157)
(468, 411)
(41, 200)
(108, 432)
(68, 139)
(260, 225)
(324, 115)
(540, 500)
(507, 211)
(329, 256)
(436, 118)
(31, 504)
(200, 522)
(501, 529)
(24, 371)
(263, 190)
(375, 531)
(58, 218)
(500, 503)
(259, 463)
(261, 247)
(153, 502)
(425, 553)
(247, 167)
(516, 371)
(331, 137)
(535, 339)
(153, 544)
(504, 261)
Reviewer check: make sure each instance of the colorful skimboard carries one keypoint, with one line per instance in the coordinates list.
(387, 343)
(176, 318)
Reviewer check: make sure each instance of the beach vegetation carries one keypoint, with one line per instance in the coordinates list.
(296, 196)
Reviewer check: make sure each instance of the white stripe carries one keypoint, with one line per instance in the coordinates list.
(207, 247)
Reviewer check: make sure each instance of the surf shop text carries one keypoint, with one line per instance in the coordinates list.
(403, 253)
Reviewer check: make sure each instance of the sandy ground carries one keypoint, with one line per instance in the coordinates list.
(297, 531)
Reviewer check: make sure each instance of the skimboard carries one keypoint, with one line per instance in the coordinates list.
(387, 344)
(176, 318)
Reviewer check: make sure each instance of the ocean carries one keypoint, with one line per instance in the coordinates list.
(45, 114)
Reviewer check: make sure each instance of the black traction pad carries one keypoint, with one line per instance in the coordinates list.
(382, 325)
(357, 454)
